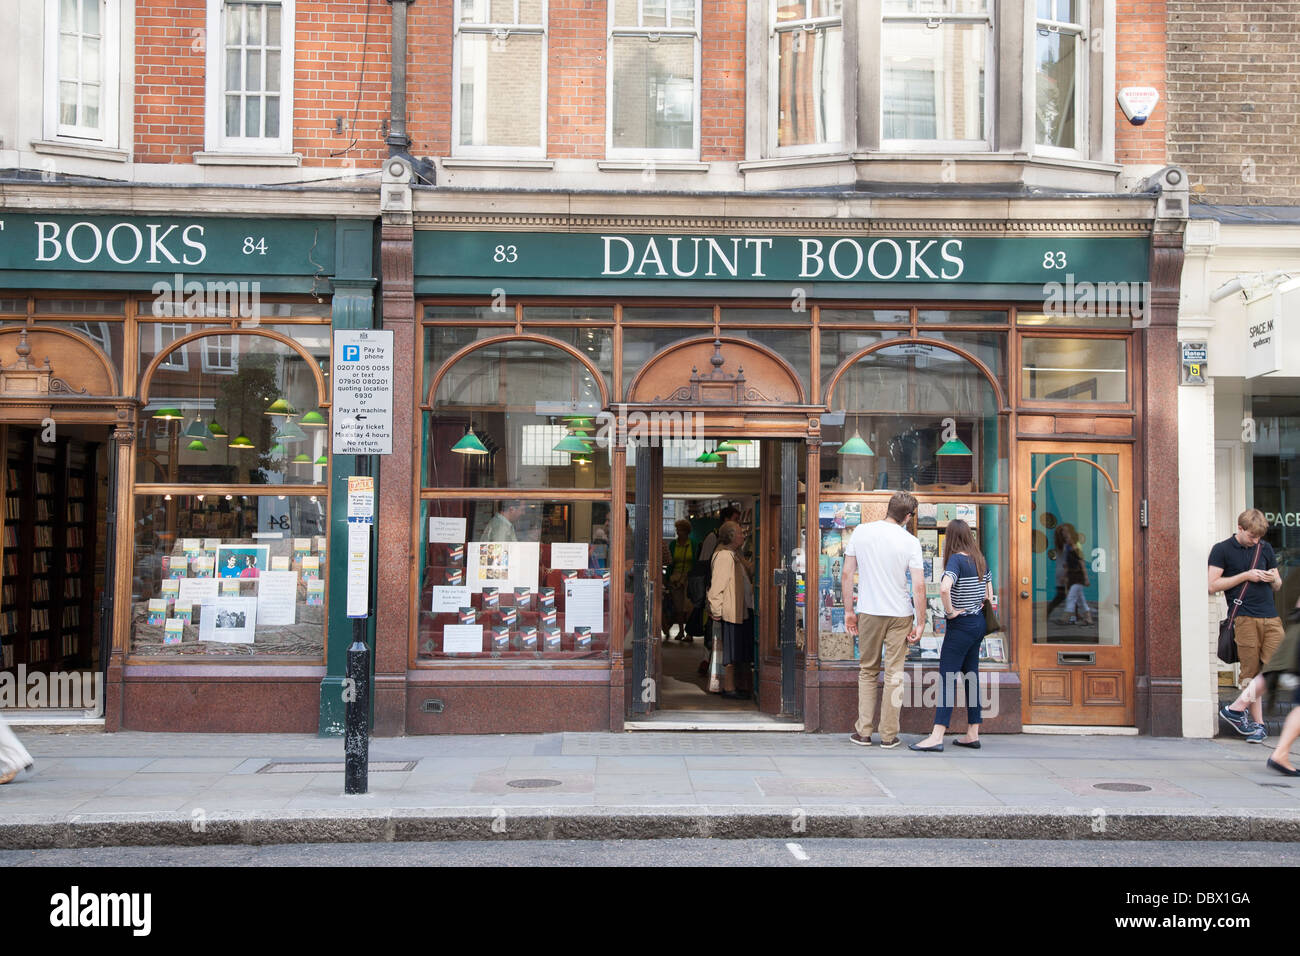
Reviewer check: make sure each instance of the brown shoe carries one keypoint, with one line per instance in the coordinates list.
(889, 744)
(860, 741)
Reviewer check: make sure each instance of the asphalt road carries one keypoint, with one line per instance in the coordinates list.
(730, 853)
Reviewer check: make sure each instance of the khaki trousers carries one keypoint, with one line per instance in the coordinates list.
(873, 633)
(1257, 638)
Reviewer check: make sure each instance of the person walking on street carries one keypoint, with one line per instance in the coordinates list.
(966, 584)
(14, 758)
(731, 601)
(883, 554)
(1245, 569)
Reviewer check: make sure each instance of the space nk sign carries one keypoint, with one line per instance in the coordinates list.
(362, 379)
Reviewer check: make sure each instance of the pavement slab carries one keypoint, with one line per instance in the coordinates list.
(143, 789)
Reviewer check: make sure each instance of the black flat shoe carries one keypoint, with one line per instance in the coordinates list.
(972, 744)
(936, 749)
(1285, 771)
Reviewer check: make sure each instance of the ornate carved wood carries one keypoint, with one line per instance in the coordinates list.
(760, 377)
(84, 371)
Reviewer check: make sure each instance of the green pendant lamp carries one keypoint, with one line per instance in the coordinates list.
(954, 447)
(578, 421)
(197, 429)
(289, 432)
(573, 445)
(241, 441)
(740, 441)
(313, 419)
(726, 448)
(709, 458)
(302, 458)
(217, 430)
(855, 446)
(280, 407)
(168, 415)
(322, 460)
(469, 444)
(197, 445)
(278, 451)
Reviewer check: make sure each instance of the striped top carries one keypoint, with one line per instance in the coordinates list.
(968, 591)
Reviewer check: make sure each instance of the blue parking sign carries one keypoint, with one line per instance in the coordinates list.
(352, 353)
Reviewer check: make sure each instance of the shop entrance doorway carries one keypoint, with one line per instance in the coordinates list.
(1074, 584)
(677, 503)
(55, 627)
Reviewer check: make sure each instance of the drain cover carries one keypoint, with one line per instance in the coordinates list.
(1122, 787)
(532, 783)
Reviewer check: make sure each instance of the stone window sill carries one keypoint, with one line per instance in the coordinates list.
(247, 159)
(80, 150)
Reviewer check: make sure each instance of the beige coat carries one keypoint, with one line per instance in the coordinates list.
(727, 587)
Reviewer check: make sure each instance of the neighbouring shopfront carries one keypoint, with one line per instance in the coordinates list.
(582, 390)
(164, 415)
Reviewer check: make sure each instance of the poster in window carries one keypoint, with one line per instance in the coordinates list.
(243, 560)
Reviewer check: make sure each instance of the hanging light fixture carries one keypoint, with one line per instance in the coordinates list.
(322, 460)
(709, 458)
(217, 430)
(855, 446)
(197, 445)
(470, 444)
(197, 429)
(281, 407)
(241, 441)
(289, 432)
(168, 415)
(313, 419)
(573, 445)
(302, 458)
(954, 447)
(726, 448)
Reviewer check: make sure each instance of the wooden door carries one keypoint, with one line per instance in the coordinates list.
(1074, 583)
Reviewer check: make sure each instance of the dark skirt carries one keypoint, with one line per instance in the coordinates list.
(738, 642)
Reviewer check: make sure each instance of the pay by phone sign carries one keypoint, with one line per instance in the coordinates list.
(362, 378)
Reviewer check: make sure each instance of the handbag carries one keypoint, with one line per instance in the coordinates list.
(1227, 649)
(991, 623)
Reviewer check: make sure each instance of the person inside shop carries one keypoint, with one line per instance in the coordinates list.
(731, 602)
(1244, 568)
(501, 526)
(966, 584)
(681, 559)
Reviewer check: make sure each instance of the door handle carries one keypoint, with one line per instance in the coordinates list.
(1024, 594)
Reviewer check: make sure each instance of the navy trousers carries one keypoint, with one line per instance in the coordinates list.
(959, 660)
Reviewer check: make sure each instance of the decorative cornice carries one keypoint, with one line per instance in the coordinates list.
(569, 223)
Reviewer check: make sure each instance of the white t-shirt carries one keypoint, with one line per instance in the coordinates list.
(884, 551)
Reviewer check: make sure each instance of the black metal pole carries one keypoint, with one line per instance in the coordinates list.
(356, 719)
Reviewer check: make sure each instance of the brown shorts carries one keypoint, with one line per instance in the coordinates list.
(1257, 638)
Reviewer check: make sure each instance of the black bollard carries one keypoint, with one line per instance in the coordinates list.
(356, 720)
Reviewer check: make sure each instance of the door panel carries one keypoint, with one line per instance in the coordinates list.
(1075, 583)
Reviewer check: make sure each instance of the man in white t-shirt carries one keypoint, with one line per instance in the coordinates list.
(882, 553)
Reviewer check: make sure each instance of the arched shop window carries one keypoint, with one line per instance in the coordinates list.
(923, 417)
(511, 569)
(232, 494)
(914, 416)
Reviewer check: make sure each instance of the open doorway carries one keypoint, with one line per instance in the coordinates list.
(678, 494)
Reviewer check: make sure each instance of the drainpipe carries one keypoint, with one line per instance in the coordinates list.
(399, 144)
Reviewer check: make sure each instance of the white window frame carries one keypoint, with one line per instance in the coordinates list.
(503, 30)
(215, 138)
(991, 60)
(210, 342)
(1081, 79)
(809, 24)
(170, 363)
(106, 135)
(695, 31)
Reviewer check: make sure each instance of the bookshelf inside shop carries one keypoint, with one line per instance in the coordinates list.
(48, 580)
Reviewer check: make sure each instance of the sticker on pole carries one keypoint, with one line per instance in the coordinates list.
(361, 500)
(362, 379)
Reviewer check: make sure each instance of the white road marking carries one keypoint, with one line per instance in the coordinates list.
(796, 851)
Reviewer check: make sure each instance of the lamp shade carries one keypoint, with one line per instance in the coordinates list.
(197, 445)
(573, 445)
(278, 450)
(289, 432)
(312, 419)
(218, 430)
(302, 458)
(322, 460)
(954, 447)
(280, 407)
(709, 458)
(856, 446)
(578, 421)
(241, 441)
(168, 415)
(197, 429)
(725, 448)
(470, 445)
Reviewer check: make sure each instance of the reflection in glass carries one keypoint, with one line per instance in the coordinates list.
(929, 416)
(653, 99)
(1074, 548)
(1075, 370)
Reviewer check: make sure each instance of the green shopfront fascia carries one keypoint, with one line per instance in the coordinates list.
(1004, 380)
(191, 356)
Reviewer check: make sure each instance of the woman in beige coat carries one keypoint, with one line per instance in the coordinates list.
(731, 601)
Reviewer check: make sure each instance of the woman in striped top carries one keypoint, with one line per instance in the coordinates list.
(965, 586)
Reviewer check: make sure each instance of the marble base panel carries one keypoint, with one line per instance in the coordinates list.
(254, 702)
(504, 702)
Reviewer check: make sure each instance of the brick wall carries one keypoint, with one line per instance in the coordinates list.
(1140, 51)
(1234, 100)
(722, 91)
(330, 37)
